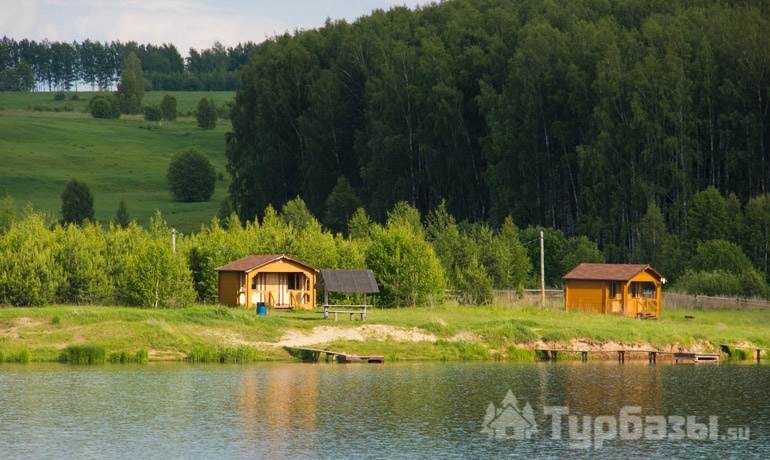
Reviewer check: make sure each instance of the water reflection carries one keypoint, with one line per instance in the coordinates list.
(318, 410)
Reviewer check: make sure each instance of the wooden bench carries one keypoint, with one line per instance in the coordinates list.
(351, 310)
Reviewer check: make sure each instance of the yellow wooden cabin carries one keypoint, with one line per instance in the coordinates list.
(275, 279)
(632, 290)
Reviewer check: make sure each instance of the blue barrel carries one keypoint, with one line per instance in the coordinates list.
(261, 309)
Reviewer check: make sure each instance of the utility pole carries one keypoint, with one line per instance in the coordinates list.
(542, 270)
(173, 240)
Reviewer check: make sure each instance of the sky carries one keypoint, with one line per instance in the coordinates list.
(185, 23)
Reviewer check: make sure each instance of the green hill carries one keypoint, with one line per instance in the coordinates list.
(41, 149)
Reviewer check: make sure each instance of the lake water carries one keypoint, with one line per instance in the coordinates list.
(426, 410)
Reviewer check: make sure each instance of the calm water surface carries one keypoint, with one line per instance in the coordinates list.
(332, 411)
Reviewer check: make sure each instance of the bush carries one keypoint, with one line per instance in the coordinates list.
(75, 97)
(152, 113)
(29, 274)
(223, 111)
(191, 177)
(59, 96)
(83, 354)
(150, 273)
(168, 107)
(104, 106)
(713, 283)
(206, 114)
(405, 265)
(82, 255)
(720, 255)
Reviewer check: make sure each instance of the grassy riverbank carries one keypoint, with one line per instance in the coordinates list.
(444, 333)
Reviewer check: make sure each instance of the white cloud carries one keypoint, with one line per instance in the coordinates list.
(185, 23)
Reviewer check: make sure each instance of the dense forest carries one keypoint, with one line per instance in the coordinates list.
(584, 116)
(28, 64)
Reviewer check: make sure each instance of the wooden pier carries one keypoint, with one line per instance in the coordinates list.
(314, 355)
(551, 354)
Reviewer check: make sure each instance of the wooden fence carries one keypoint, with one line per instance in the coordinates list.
(674, 300)
(554, 298)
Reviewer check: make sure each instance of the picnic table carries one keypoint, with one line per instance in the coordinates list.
(351, 310)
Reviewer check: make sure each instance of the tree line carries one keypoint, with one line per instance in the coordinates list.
(415, 257)
(28, 64)
(575, 115)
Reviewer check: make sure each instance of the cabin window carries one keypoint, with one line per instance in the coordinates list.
(295, 281)
(254, 283)
(616, 288)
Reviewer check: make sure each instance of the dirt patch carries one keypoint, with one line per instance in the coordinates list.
(326, 334)
(230, 338)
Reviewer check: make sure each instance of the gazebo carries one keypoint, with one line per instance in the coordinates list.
(347, 282)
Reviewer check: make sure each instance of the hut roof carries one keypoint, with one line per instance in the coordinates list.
(253, 262)
(608, 272)
(350, 281)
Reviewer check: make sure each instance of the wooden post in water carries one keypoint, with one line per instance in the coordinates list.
(621, 357)
(584, 356)
(758, 352)
(542, 270)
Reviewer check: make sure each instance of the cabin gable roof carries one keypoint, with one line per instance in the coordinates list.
(255, 261)
(609, 272)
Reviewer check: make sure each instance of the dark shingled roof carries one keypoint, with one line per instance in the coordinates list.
(350, 281)
(252, 262)
(608, 272)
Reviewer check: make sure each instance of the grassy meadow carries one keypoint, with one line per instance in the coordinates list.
(119, 159)
(209, 333)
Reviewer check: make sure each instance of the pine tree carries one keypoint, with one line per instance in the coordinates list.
(77, 203)
(121, 216)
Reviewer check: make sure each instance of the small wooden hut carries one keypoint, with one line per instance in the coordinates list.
(632, 290)
(275, 279)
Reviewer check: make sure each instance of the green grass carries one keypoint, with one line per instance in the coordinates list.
(220, 334)
(118, 159)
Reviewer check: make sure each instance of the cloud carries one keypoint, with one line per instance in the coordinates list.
(185, 23)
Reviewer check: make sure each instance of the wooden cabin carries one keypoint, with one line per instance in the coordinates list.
(275, 279)
(632, 290)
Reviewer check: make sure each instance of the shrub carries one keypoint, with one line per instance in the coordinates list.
(104, 106)
(83, 354)
(206, 114)
(720, 255)
(168, 107)
(712, 283)
(59, 96)
(82, 255)
(152, 113)
(150, 274)
(223, 111)
(191, 177)
(29, 274)
(405, 265)
(75, 97)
